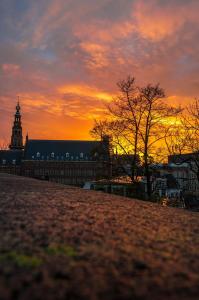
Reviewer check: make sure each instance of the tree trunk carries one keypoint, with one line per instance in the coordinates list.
(147, 176)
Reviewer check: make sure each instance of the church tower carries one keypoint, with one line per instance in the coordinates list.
(17, 138)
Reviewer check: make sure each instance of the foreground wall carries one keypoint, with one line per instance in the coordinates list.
(60, 242)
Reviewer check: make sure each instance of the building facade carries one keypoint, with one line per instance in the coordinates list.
(65, 161)
(189, 166)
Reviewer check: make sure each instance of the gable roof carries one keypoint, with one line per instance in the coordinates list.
(61, 149)
(7, 157)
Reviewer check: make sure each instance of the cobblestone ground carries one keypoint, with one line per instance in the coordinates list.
(59, 242)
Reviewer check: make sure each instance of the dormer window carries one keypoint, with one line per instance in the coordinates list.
(67, 155)
(81, 155)
(38, 154)
(52, 154)
(14, 161)
(3, 161)
(33, 157)
(77, 158)
(57, 157)
(71, 157)
(62, 157)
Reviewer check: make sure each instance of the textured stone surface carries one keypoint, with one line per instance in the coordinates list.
(58, 242)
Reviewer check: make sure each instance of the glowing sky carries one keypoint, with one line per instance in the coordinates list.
(64, 57)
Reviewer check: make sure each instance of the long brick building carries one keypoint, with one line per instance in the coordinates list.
(65, 161)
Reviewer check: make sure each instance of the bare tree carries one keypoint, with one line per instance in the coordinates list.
(154, 126)
(100, 129)
(185, 139)
(124, 118)
(128, 109)
(137, 123)
(120, 142)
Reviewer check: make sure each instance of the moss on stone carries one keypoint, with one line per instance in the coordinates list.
(61, 250)
(21, 260)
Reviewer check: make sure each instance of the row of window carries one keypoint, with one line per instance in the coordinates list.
(66, 157)
(66, 172)
(4, 161)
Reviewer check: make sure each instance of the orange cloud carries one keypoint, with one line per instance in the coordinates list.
(104, 32)
(85, 91)
(98, 55)
(179, 100)
(11, 69)
(156, 22)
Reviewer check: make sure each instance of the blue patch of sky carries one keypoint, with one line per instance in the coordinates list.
(186, 63)
(21, 6)
(45, 54)
(11, 13)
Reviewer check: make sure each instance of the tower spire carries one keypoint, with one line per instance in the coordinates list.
(17, 138)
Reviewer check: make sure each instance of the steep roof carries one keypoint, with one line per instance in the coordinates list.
(61, 149)
(10, 157)
(183, 158)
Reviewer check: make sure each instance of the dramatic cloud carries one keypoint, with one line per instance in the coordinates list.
(64, 57)
(157, 19)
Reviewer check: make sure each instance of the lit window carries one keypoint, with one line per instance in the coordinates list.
(53, 154)
(38, 154)
(81, 155)
(14, 161)
(4, 161)
(67, 155)
(77, 158)
(71, 157)
(33, 157)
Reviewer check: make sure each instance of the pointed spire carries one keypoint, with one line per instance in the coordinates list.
(17, 138)
(18, 106)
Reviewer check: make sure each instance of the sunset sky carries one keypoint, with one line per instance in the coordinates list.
(64, 57)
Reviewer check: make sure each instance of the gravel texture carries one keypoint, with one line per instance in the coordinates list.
(60, 242)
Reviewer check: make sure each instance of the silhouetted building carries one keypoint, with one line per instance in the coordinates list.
(64, 161)
(191, 162)
(10, 161)
(17, 137)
